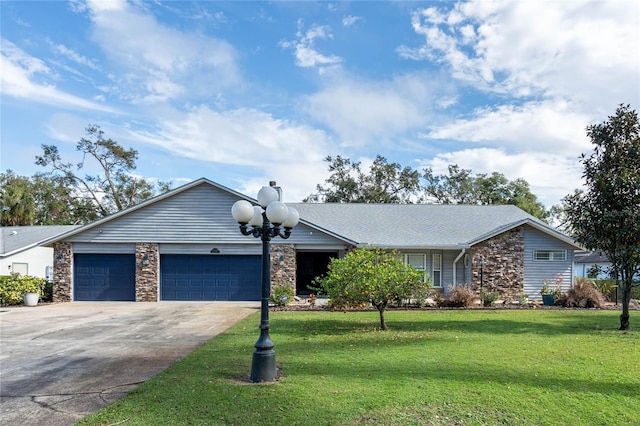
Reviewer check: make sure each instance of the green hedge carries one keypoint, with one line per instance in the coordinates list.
(12, 288)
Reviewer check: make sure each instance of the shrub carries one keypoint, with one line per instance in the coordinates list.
(461, 296)
(281, 295)
(13, 287)
(47, 292)
(584, 294)
(488, 298)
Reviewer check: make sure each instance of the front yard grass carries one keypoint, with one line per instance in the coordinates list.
(449, 367)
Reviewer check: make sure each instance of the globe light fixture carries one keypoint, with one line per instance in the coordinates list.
(272, 218)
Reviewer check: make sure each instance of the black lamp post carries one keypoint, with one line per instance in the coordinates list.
(267, 221)
(481, 274)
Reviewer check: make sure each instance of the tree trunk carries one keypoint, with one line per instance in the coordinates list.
(626, 298)
(381, 307)
(383, 325)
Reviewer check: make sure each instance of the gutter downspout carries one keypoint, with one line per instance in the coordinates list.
(454, 266)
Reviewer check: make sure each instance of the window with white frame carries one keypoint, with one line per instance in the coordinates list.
(550, 255)
(418, 261)
(20, 268)
(436, 268)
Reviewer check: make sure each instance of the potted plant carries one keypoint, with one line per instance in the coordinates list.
(32, 288)
(548, 294)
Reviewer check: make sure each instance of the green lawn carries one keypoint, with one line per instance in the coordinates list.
(451, 367)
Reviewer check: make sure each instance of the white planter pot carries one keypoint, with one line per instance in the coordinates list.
(31, 299)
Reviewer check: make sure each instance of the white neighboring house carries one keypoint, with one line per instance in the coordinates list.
(585, 260)
(20, 251)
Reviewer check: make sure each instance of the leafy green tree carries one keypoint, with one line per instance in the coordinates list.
(384, 183)
(114, 188)
(17, 204)
(371, 275)
(606, 216)
(459, 186)
(41, 200)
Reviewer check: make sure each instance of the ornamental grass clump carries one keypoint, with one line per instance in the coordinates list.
(584, 294)
(460, 296)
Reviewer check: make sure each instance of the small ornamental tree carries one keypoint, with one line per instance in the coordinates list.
(371, 275)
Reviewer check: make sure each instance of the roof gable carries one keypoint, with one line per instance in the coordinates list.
(199, 212)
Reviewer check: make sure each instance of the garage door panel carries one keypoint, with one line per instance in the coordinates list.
(104, 277)
(194, 277)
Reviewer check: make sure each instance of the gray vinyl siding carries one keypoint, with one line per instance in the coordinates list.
(463, 274)
(536, 271)
(199, 215)
(224, 249)
(94, 248)
(448, 256)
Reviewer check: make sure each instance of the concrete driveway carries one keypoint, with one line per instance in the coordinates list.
(61, 362)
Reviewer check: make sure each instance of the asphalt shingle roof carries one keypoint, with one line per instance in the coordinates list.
(16, 238)
(412, 225)
(595, 256)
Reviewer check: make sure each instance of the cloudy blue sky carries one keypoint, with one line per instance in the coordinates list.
(247, 92)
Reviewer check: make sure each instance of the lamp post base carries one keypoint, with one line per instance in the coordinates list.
(263, 366)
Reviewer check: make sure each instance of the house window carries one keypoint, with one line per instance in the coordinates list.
(20, 268)
(550, 255)
(418, 261)
(437, 270)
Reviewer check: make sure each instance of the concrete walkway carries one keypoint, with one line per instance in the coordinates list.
(61, 362)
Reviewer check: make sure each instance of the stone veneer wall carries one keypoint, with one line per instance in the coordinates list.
(285, 273)
(147, 272)
(62, 272)
(503, 269)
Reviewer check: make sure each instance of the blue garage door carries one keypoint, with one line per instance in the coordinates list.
(229, 278)
(104, 277)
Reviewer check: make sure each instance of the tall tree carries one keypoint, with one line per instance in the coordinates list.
(342, 184)
(41, 200)
(384, 183)
(17, 205)
(606, 215)
(460, 186)
(114, 187)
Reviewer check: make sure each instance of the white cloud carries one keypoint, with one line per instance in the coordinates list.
(74, 56)
(305, 51)
(362, 112)
(550, 176)
(551, 69)
(26, 77)
(245, 137)
(161, 63)
(349, 21)
(65, 127)
(584, 51)
(549, 126)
